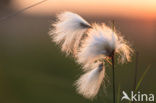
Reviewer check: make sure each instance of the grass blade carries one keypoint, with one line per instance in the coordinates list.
(142, 77)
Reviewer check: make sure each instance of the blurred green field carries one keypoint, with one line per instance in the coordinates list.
(33, 69)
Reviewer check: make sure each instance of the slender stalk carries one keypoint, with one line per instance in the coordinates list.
(113, 71)
(136, 70)
(113, 76)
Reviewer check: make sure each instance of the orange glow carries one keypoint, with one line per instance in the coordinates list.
(129, 8)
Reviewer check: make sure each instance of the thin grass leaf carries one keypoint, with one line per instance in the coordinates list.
(142, 77)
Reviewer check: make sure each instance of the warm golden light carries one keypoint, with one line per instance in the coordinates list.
(128, 8)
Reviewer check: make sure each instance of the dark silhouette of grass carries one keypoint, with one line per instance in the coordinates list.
(113, 76)
(20, 11)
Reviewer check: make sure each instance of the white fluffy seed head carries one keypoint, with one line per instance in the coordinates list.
(68, 30)
(97, 45)
(101, 42)
(89, 84)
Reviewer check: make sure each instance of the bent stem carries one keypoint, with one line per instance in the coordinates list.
(113, 77)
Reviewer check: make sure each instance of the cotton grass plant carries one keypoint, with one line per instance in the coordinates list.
(91, 45)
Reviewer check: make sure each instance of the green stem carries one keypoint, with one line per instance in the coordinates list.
(113, 76)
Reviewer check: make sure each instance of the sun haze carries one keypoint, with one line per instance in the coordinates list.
(145, 9)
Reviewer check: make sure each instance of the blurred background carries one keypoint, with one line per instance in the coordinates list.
(32, 68)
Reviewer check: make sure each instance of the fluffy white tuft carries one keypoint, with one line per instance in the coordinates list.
(100, 43)
(96, 46)
(68, 31)
(125, 51)
(89, 84)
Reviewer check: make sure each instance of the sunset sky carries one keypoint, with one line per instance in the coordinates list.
(145, 9)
